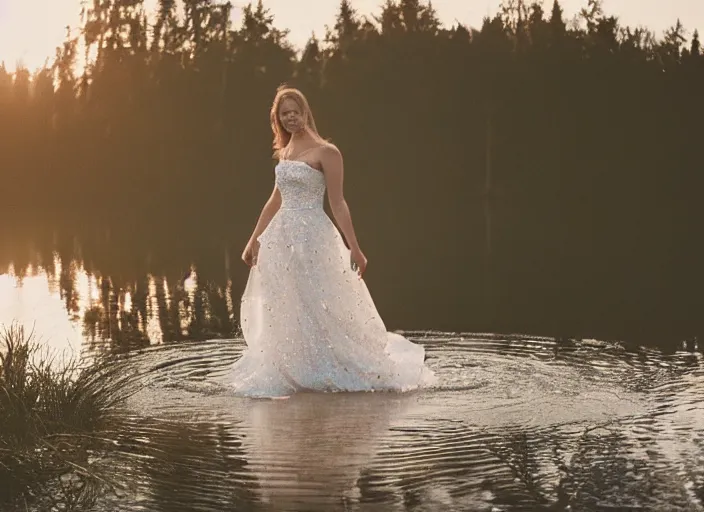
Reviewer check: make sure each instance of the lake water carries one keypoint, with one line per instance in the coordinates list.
(515, 423)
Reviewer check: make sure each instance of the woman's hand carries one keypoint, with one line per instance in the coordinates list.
(359, 259)
(251, 251)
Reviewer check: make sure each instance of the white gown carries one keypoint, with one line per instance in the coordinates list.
(307, 317)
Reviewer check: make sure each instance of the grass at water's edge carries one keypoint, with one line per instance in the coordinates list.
(54, 424)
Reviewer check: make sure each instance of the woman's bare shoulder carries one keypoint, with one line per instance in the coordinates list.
(328, 149)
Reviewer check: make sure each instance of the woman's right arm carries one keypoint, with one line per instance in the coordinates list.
(251, 251)
(270, 208)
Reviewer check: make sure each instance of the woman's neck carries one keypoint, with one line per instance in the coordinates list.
(301, 136)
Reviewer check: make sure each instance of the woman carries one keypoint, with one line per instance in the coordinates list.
(306, 315)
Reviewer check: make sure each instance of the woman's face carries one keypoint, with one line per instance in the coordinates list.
(291, 116)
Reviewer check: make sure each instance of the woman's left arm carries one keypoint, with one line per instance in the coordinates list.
(333, 167)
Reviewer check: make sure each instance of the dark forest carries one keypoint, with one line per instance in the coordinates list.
(535, 174)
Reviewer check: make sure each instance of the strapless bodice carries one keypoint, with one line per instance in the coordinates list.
(301, 186)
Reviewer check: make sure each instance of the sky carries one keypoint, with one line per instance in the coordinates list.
(32, 38)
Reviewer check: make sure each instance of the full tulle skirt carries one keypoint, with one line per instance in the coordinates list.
(310, 323)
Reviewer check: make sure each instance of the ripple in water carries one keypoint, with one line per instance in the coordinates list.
(514, 424)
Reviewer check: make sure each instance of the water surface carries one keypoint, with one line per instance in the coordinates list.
(515, 424)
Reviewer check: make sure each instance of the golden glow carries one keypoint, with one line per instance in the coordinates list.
(34, 307)
(186, 313)
(73, 312)
(190, 284)
(39, 304)
(154, 332)
(30, 31)
(127, 304)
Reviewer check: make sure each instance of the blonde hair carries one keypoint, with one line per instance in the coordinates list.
(281, 136)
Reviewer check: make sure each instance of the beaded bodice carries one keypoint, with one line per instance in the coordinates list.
(301, 186)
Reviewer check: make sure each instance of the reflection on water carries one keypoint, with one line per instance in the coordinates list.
(515, 423)
(70, 307)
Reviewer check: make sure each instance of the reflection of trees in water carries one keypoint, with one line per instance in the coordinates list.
(186, 466)
(133, 312)
(585, 467)
(159, 311)
(571, 466)
(453, 469)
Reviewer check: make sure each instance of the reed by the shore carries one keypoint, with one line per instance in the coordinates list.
(55, 422)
